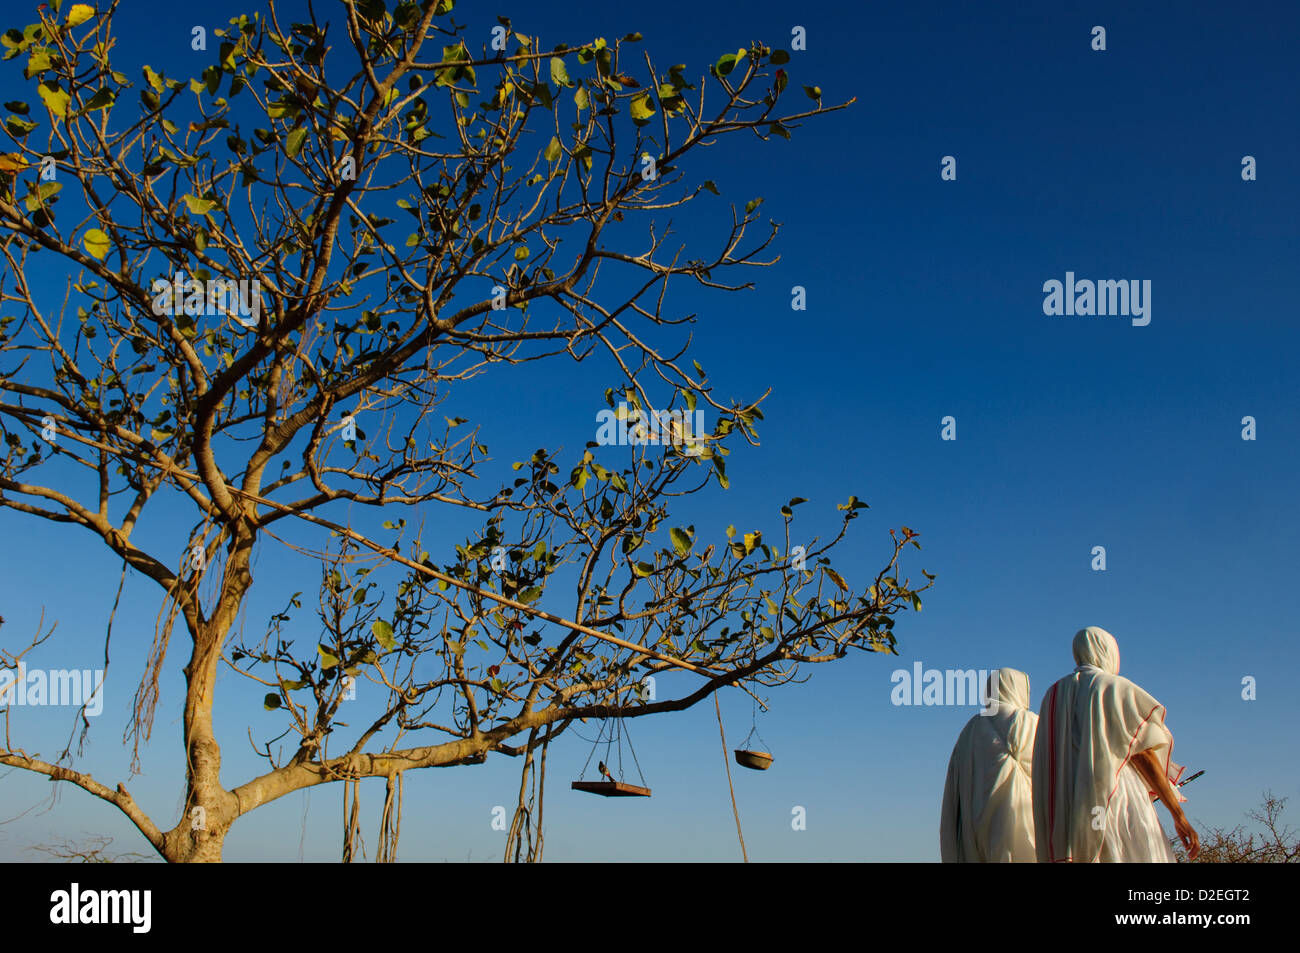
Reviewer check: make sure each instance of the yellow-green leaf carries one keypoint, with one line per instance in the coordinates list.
(643, 108)
(102, 99)
(96, 243)
(383, 632)
(199, 206)
(80, 13)
(154, 79)
(553, 150)
(55, 99)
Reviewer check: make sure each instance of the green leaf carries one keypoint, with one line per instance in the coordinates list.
(529, 595)
(779, 58)
(559, 73)
(836, 578)
(521, 253)
(383, 633)
(681, 541)
(711, 186)
(271, 702)
(96, 243)
(726, 64)
(814, 92)
(580, 98)
(554, 150)
(753, 204)
(643, 569)
(38, 196)
(293, 145)
(916, 601)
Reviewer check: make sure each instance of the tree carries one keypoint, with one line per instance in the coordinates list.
(1274, 844)
(238, 310)
(93, 850)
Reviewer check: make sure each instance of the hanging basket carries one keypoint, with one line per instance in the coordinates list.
(758, 760)
(610, 788)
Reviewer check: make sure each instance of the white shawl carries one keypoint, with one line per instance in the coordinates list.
(1090, 804)
(988, 812)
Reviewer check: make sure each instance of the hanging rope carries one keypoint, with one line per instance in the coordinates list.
(753, 730)
(727, 764)
(612, 725)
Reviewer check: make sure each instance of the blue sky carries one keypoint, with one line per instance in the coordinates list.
(924, 300)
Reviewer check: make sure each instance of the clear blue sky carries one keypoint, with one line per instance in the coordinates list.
(925, 300)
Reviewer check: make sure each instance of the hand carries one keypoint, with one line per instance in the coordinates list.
(1188, 836)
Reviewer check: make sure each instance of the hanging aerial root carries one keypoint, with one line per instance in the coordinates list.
(390, 821)
(524, 840)
(352, 820)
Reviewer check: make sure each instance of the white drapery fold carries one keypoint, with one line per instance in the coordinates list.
(987, 804)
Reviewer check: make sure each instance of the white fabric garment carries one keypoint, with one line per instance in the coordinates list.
(988, 814)
(1090, 803)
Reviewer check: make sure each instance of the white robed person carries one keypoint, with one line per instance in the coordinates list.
(988, 813)
(1102, 750)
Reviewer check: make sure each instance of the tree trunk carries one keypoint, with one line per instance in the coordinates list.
(210, 809)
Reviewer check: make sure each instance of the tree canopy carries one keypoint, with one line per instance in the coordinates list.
(249, 292)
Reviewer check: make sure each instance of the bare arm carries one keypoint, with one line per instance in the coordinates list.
(1148, 766)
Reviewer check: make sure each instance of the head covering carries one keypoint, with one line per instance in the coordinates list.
(1096, 647)
(988, 811)
(1010, 686)
(1091, 724)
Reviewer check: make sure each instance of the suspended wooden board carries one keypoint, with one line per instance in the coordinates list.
(610, 788)
(758, 760)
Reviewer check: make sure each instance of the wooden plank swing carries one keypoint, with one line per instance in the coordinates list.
(611, 786)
